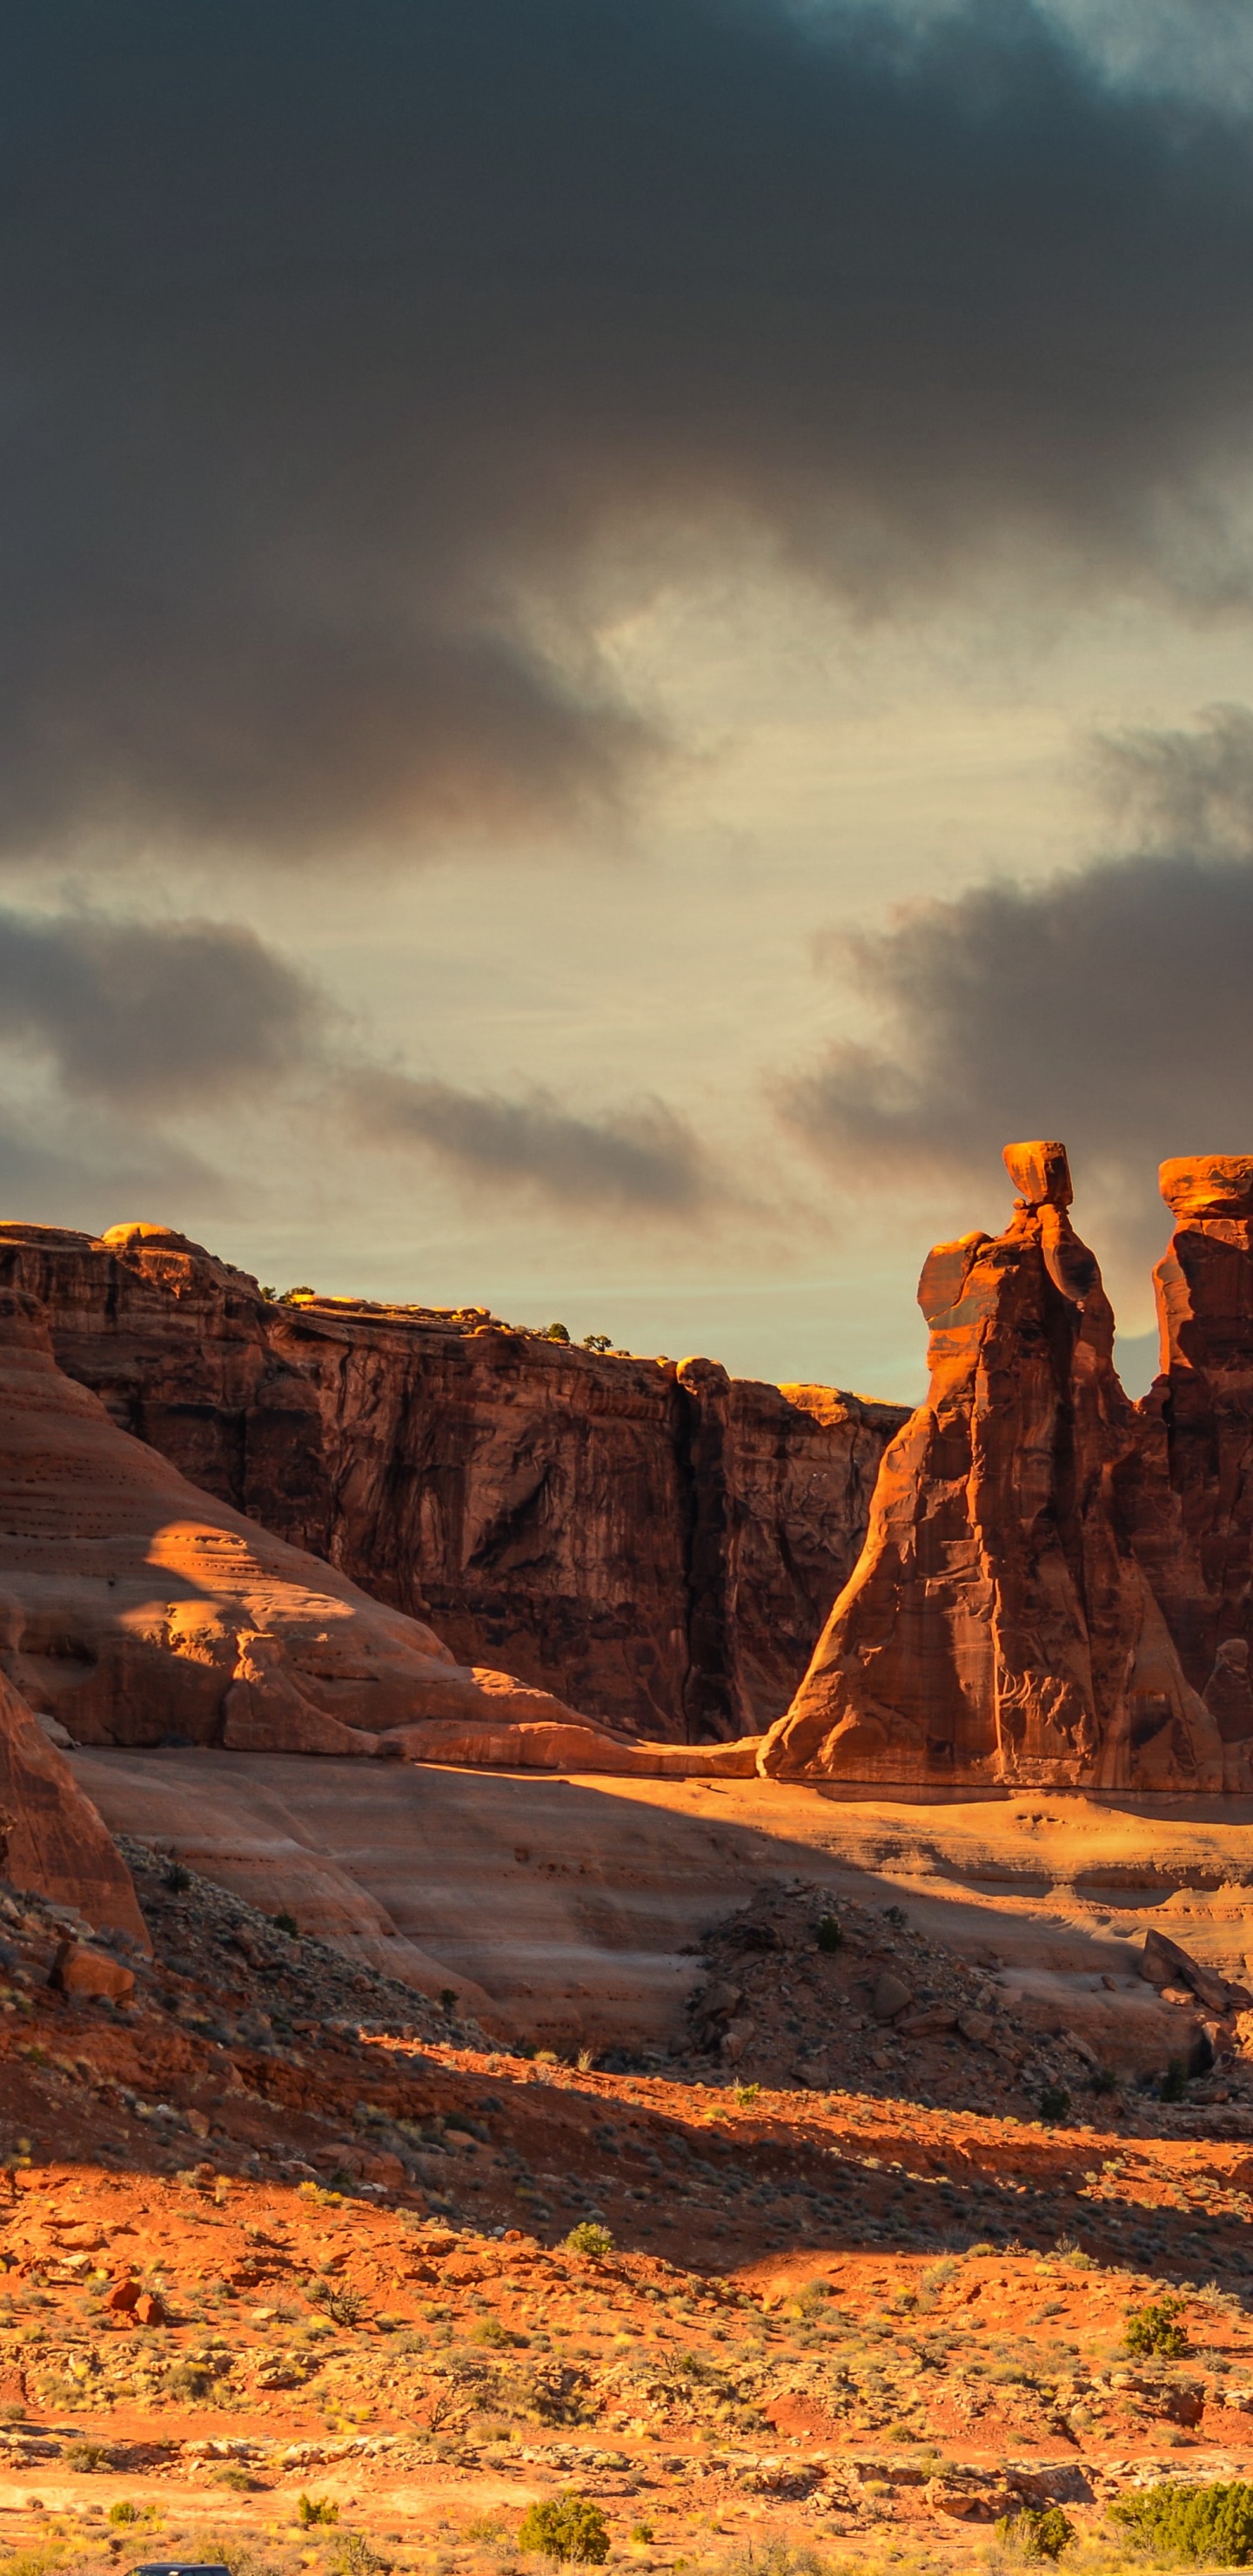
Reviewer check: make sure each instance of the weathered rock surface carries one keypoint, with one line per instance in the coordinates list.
(1186, 1501)
(134, 1606)
(656, 1544)
(998, 1626)
(56, 1843)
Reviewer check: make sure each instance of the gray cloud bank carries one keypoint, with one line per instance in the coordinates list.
(642, 1159)
(137, 1024)
(344, 336)
(1108, 1005)
(151, 1016)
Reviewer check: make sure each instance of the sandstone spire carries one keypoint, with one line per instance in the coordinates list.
(997, 1626)
(1188, 1507)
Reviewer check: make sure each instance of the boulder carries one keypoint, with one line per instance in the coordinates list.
(891, 1996)
(977, 2027)
(998, 1626)
(1164, 1963)
(90, 1974)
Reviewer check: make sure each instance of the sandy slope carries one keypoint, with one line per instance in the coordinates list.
(573, 1902)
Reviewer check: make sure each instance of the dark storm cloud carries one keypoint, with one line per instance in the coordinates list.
(643, 1160)
(345, 336)
(152, 1018)
(1109, 1007)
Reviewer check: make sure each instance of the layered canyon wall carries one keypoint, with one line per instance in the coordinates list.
(654, 1544)
(1057, 1585)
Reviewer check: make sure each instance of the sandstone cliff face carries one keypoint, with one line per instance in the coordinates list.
(135, 1606)
(656, 1545)
(1188, 1501)
(999, 1626)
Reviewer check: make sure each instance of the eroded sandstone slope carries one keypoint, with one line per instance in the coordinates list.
(654, 1542)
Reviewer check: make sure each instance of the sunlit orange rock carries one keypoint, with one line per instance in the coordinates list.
(651, 1542)
(998, 1626)
(134, 1607)
(1187, 1506)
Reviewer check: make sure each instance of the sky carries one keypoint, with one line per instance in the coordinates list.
(626, 641)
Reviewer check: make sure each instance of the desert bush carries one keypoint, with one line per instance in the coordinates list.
(589, 2237)
(1209, 2522)
(1156, 2329)
(1054, 2103)
(311, 2510)
(1039, 2531)
(1174, 2083)
(566, 2527)
(829, 1935)
(86, 2456)
(353, 2555)
(339, 2299)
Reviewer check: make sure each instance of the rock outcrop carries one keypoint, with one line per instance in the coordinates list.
(51, 1837)
(1188, 1502)
(655, 1544)
(134, 1606)
(999, 1626)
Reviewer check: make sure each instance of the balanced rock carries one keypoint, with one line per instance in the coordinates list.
(998, 1627)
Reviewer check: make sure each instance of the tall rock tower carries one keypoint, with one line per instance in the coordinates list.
(999, 1626)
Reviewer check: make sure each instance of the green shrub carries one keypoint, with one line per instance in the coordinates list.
(589, 2237)
(1104, 2080)
(86, 2456)
(1155, 2329)
(1038, 2531)
(746, 2095)
(1054, 2103)
(829, 1935)
(1174, 2083)
(287, 1923)
(1213, 2522)
(315, 2509)
(340, 2300)
(353, 2555)
(566, 2527)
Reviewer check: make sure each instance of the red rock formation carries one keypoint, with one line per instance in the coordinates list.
(134, 1606)
(657, 1545)
(998, 1627)
(1188, 1500)
(55, 1842)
